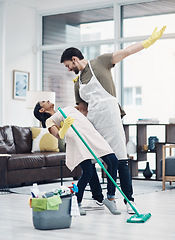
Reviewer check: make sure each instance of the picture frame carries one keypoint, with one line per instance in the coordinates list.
(20, 84)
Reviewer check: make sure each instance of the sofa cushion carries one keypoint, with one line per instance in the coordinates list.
(43, 140)
(23, 139)
(54, 159)
(23, 161)
(7, 144)
(169, 166)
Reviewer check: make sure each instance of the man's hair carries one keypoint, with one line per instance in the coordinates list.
(69, 53)
(42, 117)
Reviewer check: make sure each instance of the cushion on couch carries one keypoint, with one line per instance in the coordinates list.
(6, 140)
(169, 166)
(23, 139)
(43, 140)
(25, 161)
(54, 159)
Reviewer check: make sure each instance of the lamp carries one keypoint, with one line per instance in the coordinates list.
(33, 97)
(131, 148)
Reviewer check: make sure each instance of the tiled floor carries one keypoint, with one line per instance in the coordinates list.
(16, 218)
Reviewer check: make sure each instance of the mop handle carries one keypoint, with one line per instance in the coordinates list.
(99, 162)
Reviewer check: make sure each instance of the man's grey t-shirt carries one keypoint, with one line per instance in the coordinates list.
(102, 69)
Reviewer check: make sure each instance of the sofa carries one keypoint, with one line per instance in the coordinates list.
(20, 166)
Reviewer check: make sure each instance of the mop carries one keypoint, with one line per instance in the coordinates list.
(137, 217)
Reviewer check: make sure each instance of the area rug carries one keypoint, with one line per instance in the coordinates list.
(139, 187)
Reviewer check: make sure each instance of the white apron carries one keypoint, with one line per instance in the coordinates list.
(104, 114)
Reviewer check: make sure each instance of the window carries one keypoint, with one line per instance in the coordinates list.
(85, 26)
(160, 13)
(149, 73)
(128, 96)
(97, 31)
(96, 24)
(132, 96)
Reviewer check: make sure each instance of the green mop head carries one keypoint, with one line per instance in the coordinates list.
(141, 218)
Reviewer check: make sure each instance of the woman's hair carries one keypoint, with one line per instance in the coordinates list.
(71, 52)
(41, 116)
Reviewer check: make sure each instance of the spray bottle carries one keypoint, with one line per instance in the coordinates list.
(34, 190)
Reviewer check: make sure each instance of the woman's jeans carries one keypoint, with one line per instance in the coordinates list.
(89, 175)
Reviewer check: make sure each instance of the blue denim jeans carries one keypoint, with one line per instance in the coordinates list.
(125, 182)
(125, 179)
(89, 175)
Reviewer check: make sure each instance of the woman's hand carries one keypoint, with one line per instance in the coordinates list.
(67, 123)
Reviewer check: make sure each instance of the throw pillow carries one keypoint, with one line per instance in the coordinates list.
(43, 140)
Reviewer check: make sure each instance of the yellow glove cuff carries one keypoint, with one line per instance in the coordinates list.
(146, 43)
(62, 133)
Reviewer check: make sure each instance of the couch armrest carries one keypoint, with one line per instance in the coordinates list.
(3, 171)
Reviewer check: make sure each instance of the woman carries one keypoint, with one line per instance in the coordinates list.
(76, 152)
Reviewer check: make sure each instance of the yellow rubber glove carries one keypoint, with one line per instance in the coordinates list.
(154, 37)
(61, 124)
(67, 123)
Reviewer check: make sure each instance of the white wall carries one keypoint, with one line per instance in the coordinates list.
(20, 38)
(2, 56)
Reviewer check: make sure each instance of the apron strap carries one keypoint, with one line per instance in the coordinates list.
(91, 68)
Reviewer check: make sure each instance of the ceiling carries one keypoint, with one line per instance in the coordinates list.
(50, 4)
(149, 8)
(129, 11)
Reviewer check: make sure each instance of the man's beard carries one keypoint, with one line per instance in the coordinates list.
(76, 71)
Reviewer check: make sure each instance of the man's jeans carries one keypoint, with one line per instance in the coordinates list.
(125, 182)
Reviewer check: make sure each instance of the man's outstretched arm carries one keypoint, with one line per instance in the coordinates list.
(118, 56)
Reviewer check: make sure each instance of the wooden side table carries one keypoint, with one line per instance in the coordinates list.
(3, 170)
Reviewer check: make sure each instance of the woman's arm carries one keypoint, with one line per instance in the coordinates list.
(60, 133)
(54, 131)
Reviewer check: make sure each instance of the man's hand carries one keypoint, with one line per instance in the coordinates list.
(82, 107)
(154, 37)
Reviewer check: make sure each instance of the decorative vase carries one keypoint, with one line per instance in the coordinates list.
(147, 173)
(152, 143)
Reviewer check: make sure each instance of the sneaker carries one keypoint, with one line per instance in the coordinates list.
(129, 208)
(111, 205)
(94, 205)
(82, 211)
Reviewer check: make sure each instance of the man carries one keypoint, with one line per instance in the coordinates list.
(96, 98)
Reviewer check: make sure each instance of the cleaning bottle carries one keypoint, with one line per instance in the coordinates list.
(34, 190)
